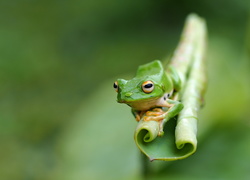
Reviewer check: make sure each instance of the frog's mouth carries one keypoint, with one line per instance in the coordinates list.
(146, 104)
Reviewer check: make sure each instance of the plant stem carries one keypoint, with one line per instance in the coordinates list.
(183, 55)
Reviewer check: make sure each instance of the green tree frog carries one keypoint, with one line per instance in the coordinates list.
(150, 91)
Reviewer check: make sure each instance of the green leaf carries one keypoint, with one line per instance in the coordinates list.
(164, 148)
(179, 140)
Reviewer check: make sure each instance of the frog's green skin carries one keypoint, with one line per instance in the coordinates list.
(165, 84)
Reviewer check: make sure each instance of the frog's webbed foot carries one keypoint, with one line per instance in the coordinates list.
(161, 116)
(157, 114)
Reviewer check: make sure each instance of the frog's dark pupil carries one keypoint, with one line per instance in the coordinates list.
(148, 85)
(115, 86)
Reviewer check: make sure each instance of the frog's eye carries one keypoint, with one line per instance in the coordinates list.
(115, 86)
(148, 86)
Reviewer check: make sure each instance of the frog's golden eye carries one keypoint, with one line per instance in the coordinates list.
(148, 86)
(115, 86)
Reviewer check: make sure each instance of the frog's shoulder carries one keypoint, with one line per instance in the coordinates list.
(150, 69)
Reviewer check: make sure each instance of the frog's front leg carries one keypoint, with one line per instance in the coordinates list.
(174, 108)
(156, 114)
(161, 116)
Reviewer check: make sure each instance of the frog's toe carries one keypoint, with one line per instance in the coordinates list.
(161, 133)
(158, 110)
(152, 113)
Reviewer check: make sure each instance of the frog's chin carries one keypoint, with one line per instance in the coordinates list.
(144, 105)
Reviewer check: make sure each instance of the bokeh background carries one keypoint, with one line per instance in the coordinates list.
(58, 61)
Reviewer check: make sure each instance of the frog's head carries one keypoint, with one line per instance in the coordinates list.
(132, 90)
(150, 82)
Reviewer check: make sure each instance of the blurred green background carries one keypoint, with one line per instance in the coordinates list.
(58, 113)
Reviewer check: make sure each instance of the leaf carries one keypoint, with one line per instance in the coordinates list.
(180, 140)
(164, 148)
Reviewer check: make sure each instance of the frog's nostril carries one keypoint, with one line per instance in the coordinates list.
(128, 94)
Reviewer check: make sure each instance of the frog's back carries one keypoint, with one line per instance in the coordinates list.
(153, 68)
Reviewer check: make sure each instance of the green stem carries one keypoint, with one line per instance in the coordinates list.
(183, 55)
